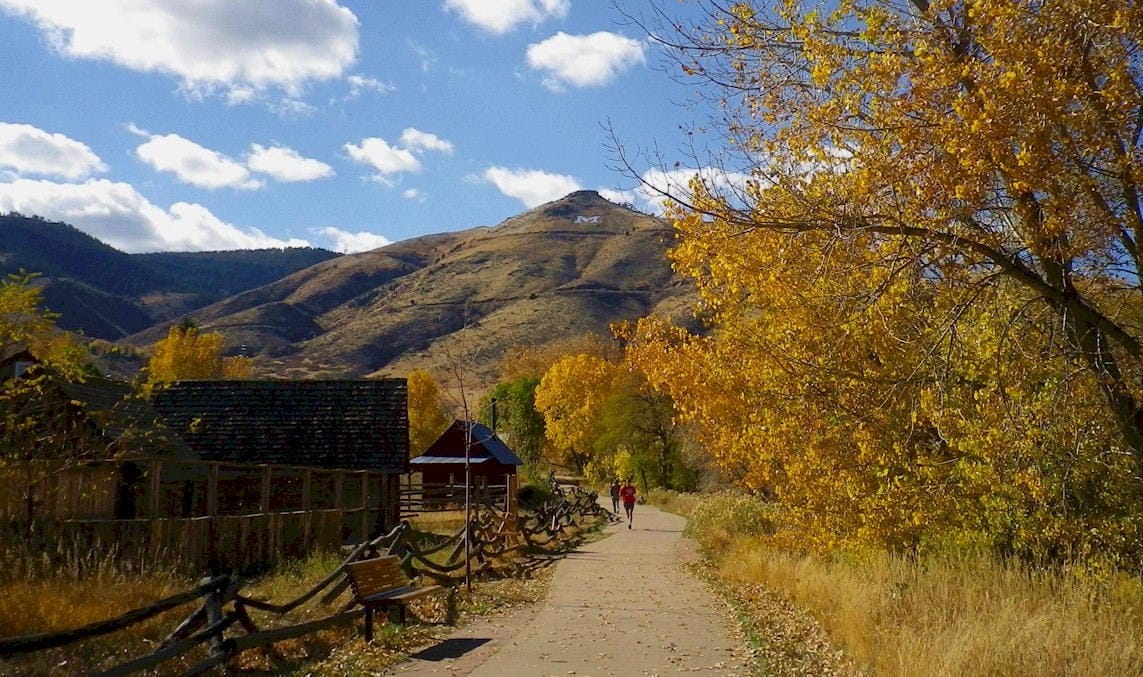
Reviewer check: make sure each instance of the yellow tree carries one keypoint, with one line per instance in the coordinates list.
(40, 433)
(26, 324)
(571, 396)
(428, 417)
(187, 353)
(963, 142)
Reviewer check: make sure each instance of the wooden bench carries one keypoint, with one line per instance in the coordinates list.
(379, 583)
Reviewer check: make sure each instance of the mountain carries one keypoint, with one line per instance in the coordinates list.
(565, 268)
(106, 293)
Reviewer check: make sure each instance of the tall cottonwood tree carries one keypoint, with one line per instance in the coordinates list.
(428, 417)
(188, 353)
(924, 299)
(958, 141)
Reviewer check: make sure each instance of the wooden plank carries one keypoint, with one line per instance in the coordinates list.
(212, 491)
(264, 498)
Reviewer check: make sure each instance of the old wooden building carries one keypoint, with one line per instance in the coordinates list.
(326, 430)
(442, 471)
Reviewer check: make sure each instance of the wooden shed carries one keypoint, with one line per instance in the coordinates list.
(320, 444)
(493, 464)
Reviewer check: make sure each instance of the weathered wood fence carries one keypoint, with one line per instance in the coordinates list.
(418, 496)
(197, 513)
(224, 622)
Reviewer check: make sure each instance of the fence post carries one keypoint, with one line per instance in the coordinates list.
(364, 505)
(156, 486)
(212, 491)
(307, 526)
(264, 497)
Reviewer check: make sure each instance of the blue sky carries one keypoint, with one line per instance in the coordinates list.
(171, 125)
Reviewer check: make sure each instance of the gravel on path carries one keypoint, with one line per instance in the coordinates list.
(618, 606)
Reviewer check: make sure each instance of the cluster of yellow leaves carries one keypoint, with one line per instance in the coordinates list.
(428, 417)
(925, 301)
(187, 354)
(877, 408)
(24, 323)
(571, 396)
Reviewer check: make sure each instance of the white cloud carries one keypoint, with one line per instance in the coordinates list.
(416, 140)
(584, 60)
(531, 186)
(387, 160)
(193, 164)
(30, 150)
(285, 164)
(501, 16)
(359, 84)
(397, 159)
(414, 194)
(118, 215)
(348, 243)
(658, 186)
(619, 197)
(208, 44)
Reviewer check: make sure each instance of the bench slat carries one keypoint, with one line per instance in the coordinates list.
(380, 583)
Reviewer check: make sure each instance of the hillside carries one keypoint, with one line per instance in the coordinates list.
(569, 267)
(106, 293)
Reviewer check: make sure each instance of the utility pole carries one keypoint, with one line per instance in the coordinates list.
(467, 504)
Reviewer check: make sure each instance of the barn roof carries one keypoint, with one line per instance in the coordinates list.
(486, 447)
(121, 416)
(337, 424)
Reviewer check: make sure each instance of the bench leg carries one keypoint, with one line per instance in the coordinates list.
(399, 616)
(368, 625)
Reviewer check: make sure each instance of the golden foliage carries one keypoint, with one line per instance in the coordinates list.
(571, 396)
(428, 417)
(187, 353)
(925, 299)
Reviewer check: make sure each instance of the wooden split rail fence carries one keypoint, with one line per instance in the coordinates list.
(224, 624)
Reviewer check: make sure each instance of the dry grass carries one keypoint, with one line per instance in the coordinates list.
(50, 592)
(70, 596)
(971, 615)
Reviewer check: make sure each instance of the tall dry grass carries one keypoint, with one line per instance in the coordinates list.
(968, 614)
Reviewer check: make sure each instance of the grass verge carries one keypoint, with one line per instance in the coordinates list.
(954, 615)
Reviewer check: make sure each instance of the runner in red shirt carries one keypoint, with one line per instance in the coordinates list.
(627, 493)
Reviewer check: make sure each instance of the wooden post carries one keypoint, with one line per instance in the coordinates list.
(364, 505)
(212, 491)
(156, 486)
(307, 521)
(264, 498)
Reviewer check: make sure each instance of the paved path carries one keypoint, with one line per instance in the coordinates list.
(618, 606)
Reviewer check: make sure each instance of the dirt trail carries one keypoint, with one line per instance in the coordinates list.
(618, 606)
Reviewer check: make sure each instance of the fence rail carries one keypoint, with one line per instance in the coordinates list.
(223, 621)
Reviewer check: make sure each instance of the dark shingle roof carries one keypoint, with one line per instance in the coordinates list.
(350, 425)
(449, 447)
(128, 422)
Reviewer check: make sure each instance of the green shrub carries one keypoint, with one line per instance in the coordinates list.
(719, 518)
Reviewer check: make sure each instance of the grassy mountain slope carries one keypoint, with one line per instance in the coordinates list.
(105, 293)
(566, 268)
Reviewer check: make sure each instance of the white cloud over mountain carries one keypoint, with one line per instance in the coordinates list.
(118, 215)
(532, 187)
(584, 60)
(347, 243)
(209, 45)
